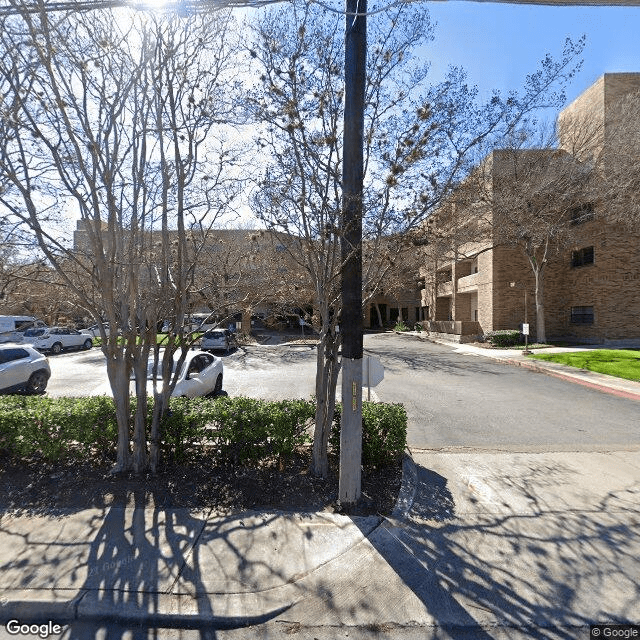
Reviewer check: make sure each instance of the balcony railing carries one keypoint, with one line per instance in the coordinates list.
(468, 283)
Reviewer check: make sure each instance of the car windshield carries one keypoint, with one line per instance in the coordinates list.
(159, 374)
(33, 332)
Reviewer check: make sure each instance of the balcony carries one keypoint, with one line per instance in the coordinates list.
(467, 284)
(445, 288)
(454, 330)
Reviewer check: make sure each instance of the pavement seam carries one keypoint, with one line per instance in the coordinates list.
(184, 562)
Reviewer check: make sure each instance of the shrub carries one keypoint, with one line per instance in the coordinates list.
(235, 429)
(384, 432)
(504, 338)
(248, 429)
(57, 427)
(400, 326)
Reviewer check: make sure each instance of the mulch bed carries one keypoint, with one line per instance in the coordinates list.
(36, 486)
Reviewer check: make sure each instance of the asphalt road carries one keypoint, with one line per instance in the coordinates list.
(457, 400)
(452, 399)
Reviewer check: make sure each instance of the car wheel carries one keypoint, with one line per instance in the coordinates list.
(218, 387)
(56, 348)
(88, 344)
(37, 383)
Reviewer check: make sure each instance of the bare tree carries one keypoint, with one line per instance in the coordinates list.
(420, 142)
(300, 54)
(124, 125)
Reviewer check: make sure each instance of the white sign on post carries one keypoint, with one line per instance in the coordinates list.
(372, 373)
(525, 329)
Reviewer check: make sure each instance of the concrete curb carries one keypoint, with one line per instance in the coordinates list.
(407, 493)
(620, 387)
(581, 377)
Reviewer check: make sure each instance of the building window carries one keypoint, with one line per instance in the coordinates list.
(581, 315)
(581, 214)
(582, 257)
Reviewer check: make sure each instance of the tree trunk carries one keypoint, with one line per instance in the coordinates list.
(119, 380)
(326, 380)
(379, 314)
(541, 333)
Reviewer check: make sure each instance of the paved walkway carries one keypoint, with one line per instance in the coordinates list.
(481, 546)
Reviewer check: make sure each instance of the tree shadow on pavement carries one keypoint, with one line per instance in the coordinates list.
(141, 572)
(536, 572)
(437, 358)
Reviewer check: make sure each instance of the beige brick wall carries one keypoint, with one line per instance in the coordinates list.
(485, 290)
(594, 112)
(611, 285)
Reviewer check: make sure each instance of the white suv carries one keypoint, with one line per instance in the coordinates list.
(22, 368)
(56, 339)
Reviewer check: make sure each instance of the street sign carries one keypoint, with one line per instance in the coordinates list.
(525, 329)
(372, 371)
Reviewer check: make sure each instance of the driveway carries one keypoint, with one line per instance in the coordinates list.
(459, 400)
(269, 372)
(452, 399)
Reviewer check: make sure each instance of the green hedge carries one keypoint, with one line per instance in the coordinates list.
(234, 429)
(384, 432)
(504, 338)
(239, 429)
(57, 427)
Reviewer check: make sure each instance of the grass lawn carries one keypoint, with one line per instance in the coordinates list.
(622, 363)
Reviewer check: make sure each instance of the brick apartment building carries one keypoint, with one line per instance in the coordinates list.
(591, 287)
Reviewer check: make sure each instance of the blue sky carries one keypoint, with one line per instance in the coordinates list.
(499, 44)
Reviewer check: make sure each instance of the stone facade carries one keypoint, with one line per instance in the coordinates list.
(591, 288)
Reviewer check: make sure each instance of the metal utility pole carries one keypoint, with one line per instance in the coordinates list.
(351, 325)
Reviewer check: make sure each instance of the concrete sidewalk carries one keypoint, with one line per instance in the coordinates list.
(481, 546)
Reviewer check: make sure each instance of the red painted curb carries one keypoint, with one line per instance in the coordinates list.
(630, 395)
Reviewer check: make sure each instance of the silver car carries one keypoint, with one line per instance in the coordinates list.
(22, 368)
(216, 340)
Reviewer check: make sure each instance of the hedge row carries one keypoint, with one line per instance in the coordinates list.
(235, 429)
(504, 338)
(384, 432)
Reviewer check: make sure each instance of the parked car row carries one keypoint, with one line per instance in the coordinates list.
(24, 369)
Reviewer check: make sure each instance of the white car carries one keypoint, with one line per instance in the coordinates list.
(200, 375)
(57, 339)
(22, 368)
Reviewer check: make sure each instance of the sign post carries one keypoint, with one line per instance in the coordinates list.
(372, 373)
